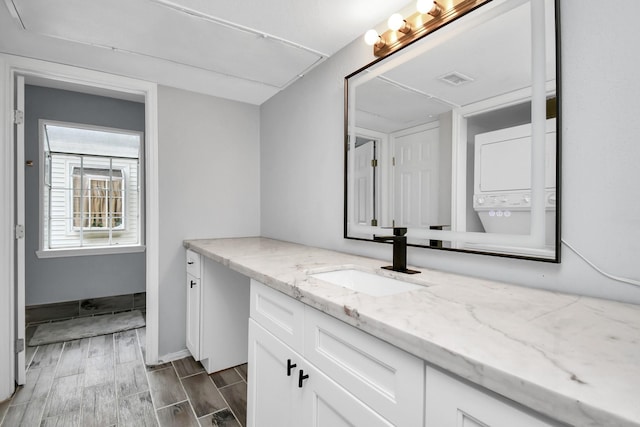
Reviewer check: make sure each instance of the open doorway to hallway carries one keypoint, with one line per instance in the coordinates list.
(15, 73)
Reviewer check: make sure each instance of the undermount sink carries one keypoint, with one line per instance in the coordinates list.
(367, 283)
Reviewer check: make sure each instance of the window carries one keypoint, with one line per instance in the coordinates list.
(97, 199)
(91, 189)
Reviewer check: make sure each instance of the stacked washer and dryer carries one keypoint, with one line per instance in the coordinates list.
(502, 181)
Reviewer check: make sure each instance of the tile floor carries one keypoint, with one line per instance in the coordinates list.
(102, 381)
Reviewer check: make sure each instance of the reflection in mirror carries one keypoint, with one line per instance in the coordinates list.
(454, 136)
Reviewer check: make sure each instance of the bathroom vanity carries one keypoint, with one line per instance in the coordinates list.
(449, 351)
(217, 312)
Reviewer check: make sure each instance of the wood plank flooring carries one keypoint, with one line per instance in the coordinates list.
(103, 382)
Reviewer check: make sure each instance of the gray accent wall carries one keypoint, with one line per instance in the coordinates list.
(51, 280)
(302, 163)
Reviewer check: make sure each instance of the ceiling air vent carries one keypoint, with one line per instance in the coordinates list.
(455, 78)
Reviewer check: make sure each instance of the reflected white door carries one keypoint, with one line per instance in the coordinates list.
(416, 179)
(364, 180)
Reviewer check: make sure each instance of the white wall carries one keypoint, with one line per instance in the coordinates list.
(209, 166)
(302, 161)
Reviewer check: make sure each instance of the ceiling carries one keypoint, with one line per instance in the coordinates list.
(245, 50)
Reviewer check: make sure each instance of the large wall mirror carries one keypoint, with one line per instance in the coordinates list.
(455, 136)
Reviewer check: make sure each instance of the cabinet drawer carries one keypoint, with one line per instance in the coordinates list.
(279, 314)
(193, 263)
(377, 373)
(453, 403)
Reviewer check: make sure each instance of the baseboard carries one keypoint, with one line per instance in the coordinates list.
(174, 356)
(84, 307)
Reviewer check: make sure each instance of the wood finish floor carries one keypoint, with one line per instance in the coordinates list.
(103, 381)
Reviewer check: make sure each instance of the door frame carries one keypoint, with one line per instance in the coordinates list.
(92, 82)
(19, 199)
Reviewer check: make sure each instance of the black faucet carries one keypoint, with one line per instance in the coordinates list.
(399, 240)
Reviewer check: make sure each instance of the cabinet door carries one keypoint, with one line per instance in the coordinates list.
(273, 397)
(453, 403)
(277, 399)
(193, 315)
(326, 404)
(375, 372)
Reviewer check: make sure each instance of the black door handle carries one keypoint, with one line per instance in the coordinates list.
(193, 283)
(301, 378)
(290, 366)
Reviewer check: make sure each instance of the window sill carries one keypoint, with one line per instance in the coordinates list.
(104, 250)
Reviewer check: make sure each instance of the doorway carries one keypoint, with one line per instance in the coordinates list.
(18, 72)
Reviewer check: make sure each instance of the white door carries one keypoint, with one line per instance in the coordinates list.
(273, 397)
(20, 255)
(415, 179)
(365, 183)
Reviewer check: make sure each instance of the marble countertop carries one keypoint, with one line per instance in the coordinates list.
(574, 358)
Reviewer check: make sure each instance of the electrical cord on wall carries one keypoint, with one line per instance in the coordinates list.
(596, 268)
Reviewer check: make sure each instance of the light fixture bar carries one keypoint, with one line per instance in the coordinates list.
(420, 24)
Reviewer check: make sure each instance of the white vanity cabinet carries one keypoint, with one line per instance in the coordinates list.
(309, 369)
(450, 402)
(217, 313)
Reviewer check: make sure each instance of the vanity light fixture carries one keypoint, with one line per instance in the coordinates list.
(430, 16)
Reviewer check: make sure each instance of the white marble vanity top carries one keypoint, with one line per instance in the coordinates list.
(576, 359)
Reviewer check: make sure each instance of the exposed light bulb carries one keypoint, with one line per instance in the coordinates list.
(371, 37)
(424, 6)
(395, 22)
(428, 6)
